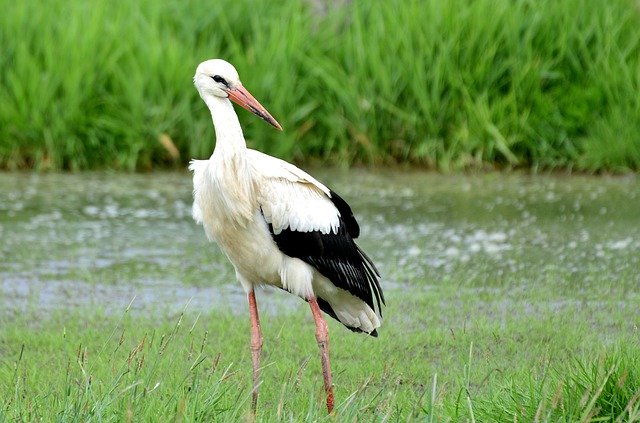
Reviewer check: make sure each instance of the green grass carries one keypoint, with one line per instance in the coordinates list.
(449, 85)
(445, 354)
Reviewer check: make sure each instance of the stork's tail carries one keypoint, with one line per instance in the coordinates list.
(326, 307)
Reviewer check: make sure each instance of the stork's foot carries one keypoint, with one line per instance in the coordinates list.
(322, 336)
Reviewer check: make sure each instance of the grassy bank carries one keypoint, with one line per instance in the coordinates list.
(444, 84)
(89, 365)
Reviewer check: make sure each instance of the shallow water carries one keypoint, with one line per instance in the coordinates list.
(111, 240)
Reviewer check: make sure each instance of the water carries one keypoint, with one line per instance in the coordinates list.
(112, 240)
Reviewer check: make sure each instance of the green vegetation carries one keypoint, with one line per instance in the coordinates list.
(449, 85)
(554, 366)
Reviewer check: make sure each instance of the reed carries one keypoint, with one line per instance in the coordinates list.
(448, 85)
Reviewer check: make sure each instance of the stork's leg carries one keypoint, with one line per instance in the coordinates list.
(322, 336)
(256, 348)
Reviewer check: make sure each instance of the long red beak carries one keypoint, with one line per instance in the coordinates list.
(242, 97)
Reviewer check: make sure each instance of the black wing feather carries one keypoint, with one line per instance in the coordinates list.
(346, 214)
(336, 256)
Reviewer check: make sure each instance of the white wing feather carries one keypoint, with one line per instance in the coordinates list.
(291, 198)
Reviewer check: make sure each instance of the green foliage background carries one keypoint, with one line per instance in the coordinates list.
(443, 84)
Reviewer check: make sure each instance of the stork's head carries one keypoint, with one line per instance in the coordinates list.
(217, 78)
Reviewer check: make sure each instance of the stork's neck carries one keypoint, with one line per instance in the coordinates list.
(231, 176)
(229, 137)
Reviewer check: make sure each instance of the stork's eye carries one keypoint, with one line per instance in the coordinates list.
(220, 79)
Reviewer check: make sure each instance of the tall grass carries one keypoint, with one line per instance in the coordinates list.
(605, 388)
(449, 85)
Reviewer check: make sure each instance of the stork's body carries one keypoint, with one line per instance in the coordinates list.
(278, 225)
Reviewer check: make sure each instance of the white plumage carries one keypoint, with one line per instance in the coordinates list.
(285, 197)
(277, 224)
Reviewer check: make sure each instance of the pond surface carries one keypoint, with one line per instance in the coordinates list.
(111, 240)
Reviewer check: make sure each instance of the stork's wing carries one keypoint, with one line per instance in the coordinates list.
(310, 222)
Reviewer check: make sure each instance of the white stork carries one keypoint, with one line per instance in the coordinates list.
(278, 225)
